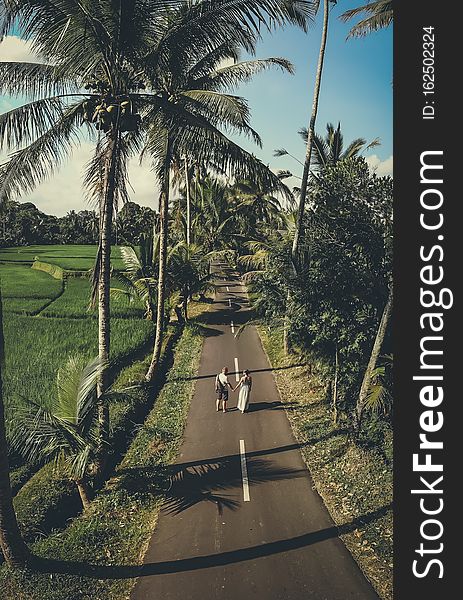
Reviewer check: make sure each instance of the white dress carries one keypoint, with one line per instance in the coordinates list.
(243, 398)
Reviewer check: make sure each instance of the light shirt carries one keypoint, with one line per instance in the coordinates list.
(223, 379)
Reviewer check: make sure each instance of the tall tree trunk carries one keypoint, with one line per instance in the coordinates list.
(164, 224)
(335, 385)
(104, 277)
(188, 205)
(84, 493)
(12, 544)
(366, 383)
(313, 118)
(185, 304)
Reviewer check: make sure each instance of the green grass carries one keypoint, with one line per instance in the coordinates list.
(75, 258)
(37, 347)
(20, 281)
(74, 303)
(117, 527)
(25, 306)
(353, 481)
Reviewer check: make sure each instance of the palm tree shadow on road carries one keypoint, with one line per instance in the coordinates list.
(203, 562)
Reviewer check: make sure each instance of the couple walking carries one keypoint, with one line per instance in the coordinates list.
(221, 387)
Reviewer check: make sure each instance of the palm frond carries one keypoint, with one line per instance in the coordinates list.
(380, 16)
(30, 166)
(34, 80)
(232, 76)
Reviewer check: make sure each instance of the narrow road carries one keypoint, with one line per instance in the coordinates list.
(242, 519)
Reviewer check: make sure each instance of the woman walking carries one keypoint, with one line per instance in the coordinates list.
(245, 383)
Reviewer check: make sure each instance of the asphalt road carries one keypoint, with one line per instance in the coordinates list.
(242, 520)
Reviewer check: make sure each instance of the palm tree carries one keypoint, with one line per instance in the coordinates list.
(195, 111)
(91, 77)
(380, 16)
(257, 205)
(311, 133)
(128, 55)
(12, 544)
(330, 149)
(366, 386)
(65, 428)
(188, 272)
(138, 280)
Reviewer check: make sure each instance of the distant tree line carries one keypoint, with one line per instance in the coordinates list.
(23, 224)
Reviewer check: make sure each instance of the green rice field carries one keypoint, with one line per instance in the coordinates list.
(46, 320)
(69, 257)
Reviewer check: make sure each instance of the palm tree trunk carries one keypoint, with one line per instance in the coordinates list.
(188, 206)
(313, 118)
(164, 224)
(335, 386)
(12, 544)
(104, 277)
(84, 493)
(185, 304)
(366, 383)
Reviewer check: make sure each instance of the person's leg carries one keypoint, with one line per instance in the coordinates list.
(224, 401)
(217, 404)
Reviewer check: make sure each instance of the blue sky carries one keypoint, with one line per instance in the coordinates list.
(356, 90)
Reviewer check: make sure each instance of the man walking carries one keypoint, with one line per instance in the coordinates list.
(221, 387)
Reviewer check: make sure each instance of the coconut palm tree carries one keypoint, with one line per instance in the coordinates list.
(12, 544)
(379, 16)
(365, 389)
(90, 78)
(123, 56)
(196, 109)
(257, 205)
(65, 428)
(330, 149)
(311, 132)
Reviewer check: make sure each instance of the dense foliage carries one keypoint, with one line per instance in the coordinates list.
(332, 306)
(23, 224)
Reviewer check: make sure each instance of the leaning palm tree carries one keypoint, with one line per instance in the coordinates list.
(192, 120)
(365, 388)
(12, 544)
(63, 429)
(379, 16)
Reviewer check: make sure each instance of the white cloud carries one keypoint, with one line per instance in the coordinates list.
(64, 191)
(381, 167)
(14, 49)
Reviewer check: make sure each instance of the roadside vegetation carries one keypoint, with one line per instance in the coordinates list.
(354, 479)
(115, 530)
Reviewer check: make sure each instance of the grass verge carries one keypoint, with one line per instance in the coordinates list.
(355, 483)
(80, 562)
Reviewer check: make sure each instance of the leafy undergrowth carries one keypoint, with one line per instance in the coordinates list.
(97, 556)
(355, 482)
